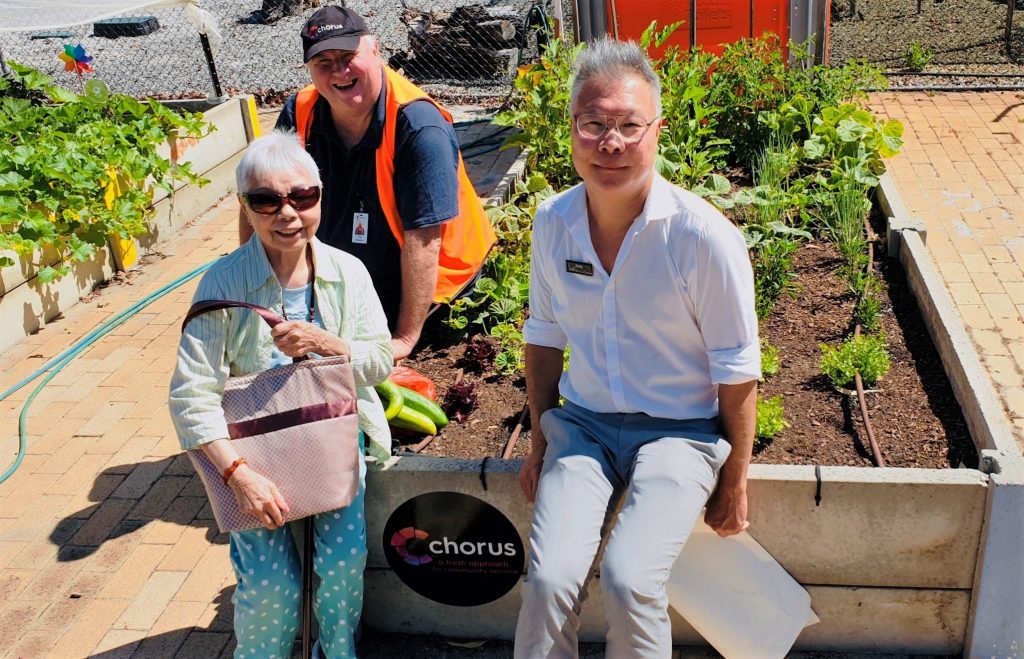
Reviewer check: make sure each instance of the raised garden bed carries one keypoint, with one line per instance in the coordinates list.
(918, 420)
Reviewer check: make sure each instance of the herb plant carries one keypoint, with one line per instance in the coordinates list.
(771, 419)
(916, 57)
(770, 362)
(864, 354)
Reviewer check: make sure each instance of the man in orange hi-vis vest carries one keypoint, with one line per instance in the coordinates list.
(396, 194)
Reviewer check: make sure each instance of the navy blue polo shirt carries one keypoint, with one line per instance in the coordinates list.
(426, 185)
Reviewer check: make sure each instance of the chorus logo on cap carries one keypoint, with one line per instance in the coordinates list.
(315, 31)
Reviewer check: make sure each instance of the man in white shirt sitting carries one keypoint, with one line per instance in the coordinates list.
(652, 290)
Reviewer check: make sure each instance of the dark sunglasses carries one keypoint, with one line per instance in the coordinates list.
(268, 202)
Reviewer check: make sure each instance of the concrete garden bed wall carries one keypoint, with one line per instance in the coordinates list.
(26, 306)
(895, 560)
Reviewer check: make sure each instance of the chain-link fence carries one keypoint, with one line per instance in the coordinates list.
(460, 50)
(916, 38)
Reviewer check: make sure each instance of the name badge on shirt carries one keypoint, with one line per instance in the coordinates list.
(360, 227)
(579, 268)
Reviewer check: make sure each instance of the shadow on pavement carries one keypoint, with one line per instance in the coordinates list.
(130, 497)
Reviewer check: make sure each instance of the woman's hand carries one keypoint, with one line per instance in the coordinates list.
(258, 496)
(296, 338)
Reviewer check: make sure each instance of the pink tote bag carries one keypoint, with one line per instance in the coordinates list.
(296, 424)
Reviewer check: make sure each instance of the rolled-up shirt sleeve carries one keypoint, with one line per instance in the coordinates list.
(197, 386)
(541, 328)
(722, 291)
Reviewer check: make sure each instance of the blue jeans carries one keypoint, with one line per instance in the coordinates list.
(668, 469)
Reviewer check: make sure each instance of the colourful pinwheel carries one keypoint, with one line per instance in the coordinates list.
(76, 60)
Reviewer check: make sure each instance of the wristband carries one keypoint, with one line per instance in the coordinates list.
(230, 471)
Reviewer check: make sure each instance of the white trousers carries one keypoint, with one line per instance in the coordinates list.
(667, 469)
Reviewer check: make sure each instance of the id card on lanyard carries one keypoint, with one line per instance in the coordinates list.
(360, 228)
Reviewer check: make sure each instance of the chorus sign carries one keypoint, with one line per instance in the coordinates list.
(453, 548)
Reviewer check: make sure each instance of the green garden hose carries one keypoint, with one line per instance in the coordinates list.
(55, 365)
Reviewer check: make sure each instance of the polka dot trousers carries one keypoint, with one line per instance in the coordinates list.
(267, 598)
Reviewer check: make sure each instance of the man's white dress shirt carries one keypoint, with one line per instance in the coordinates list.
(673, 319)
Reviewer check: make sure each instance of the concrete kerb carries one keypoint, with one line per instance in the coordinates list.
(996, 618)
(978, 400)
(997, 603)
(898, 219)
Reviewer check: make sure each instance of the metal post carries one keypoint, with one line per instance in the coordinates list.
(218, 94)
(693, 24)
(1009, 25)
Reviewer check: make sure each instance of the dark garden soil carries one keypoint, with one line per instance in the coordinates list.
(966, 36)
(916, 419)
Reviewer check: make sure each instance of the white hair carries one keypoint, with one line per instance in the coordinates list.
(609, 59)
(278, 151)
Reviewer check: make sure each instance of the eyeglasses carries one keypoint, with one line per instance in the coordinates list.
(265, 203)
(630, 128)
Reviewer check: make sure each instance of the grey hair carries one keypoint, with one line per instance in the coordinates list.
(609, 59)
(278, 151)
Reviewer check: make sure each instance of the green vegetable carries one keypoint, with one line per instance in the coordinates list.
(409, 419)
(420, 403)
(392, 397)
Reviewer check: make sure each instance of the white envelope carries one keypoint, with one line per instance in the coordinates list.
(737, 596)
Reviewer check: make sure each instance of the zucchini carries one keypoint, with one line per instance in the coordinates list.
(409, 419)
(392, 396)
(423, 405)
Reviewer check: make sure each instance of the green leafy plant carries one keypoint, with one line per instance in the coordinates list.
(773, 274)
(690, 147)
(540, 108)
(74, 170)
(864, 354)
(867, 313)
(771, 419)
(844, 221)
(916, 57)
(770, 361)
(498, 302)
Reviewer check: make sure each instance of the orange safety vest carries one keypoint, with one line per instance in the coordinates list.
(466, 239)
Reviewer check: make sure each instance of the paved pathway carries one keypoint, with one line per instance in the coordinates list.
(962, 173)
(107, 545)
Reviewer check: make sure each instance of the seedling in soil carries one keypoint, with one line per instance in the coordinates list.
(460, 399)
(770, 418)
(770, 362)
(917, 56)
(867, 355)
(480, 353)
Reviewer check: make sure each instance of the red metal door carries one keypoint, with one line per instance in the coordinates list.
(718, 21)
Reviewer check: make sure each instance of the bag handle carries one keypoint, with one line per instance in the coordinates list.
(271, 318)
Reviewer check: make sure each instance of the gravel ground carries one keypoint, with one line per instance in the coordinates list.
(264, 60)
(966, 36)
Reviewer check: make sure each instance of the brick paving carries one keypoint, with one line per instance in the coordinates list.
(962, 173)
(107, 543)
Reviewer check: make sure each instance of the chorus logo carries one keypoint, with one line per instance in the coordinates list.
(409, 543)
(453, 548)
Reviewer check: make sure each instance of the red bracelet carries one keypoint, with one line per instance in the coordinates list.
(230, 471)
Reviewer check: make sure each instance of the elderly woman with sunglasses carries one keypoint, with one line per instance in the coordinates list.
(330, 309)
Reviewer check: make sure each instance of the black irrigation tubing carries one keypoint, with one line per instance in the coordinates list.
(948, 88)
(949, 74)
(876, 452)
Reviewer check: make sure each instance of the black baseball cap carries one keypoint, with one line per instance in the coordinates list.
(332, 28)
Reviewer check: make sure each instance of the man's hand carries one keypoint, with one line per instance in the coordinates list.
(727, 511)
(402, 347)
(258, 496)
(529, 475)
